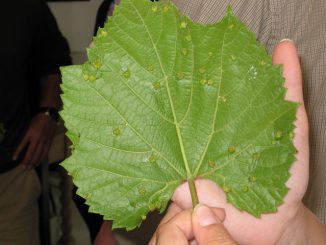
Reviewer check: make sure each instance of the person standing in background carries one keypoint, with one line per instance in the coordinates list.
(32, 50)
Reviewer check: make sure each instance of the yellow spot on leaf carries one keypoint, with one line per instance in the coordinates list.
(150, 67)
(188, 38)
(183, 24)
(222, 98)
(156, 85)
(203, 81)
(202, 70)
(91, 78)
(103, 33)
(256, 156)
(211, 164)
(231, 149)
(154, 8)
(252, 178)
(278, 135)
(180, 75)
(127, 74)
(116, 131)
(166, 8)
(152, 158)
(245, 188)
(97, 64)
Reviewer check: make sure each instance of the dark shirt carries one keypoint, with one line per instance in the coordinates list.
(31, 47)
(102, 14)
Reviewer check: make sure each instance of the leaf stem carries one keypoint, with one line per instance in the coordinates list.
(193, 192)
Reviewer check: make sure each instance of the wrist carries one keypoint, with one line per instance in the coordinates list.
(295, 229)
(304, 229)
(51, 112)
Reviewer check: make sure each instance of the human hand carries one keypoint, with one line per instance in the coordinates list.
(270, 228)
(37, 139)
(203, 226)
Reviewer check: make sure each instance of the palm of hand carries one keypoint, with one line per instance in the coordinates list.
(243, 227)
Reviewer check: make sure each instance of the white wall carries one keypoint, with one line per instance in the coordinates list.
(76, 21)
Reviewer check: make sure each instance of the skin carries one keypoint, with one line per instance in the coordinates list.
(293, 223)
(203, 226)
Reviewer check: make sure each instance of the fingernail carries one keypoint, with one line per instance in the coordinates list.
(286, 40)
(205, 215)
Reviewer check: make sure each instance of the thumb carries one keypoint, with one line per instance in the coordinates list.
(208, 228)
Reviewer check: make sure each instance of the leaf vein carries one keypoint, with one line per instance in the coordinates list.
(216, 109)
(246, 147)
(170, 98)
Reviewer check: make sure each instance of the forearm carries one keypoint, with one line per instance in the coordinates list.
(315, 230)
(305, 229)
(50, 91)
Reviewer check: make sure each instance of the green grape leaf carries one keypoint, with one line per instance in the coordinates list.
(162, 100)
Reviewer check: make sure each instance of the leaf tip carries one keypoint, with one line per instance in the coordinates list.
(229, 11)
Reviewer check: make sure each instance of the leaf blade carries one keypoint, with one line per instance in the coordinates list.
(155, 107)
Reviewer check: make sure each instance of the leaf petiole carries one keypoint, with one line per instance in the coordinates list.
(193, 192)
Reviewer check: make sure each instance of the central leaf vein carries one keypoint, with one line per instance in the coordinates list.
(216, 109)
(186, 164)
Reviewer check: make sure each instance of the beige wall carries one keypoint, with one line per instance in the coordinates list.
(76, 21)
